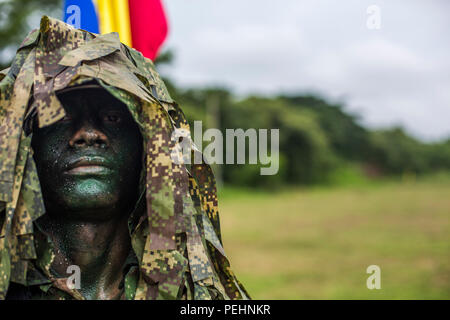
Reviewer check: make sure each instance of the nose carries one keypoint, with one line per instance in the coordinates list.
(87, 135)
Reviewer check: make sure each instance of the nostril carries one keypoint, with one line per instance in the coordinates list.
(99, 142)
(79, 143)
(88, 137)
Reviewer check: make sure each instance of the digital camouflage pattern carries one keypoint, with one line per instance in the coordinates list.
(174, 228)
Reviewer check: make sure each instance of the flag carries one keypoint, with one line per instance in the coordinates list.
(141, 24)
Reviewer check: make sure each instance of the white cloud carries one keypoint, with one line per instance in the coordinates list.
(397, 75)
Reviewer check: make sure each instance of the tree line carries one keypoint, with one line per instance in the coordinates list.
(320, 142)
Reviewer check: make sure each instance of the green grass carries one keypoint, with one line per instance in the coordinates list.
(317, 244)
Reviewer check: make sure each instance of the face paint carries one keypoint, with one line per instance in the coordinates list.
(89, 162)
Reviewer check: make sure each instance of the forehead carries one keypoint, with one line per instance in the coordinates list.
(92, 98)
(85, 102)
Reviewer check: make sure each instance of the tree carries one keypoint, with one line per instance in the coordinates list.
(347, 137)
(17, 18)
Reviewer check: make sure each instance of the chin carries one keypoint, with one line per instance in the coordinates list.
(90, 199)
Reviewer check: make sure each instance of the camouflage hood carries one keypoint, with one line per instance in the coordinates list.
(177, 238)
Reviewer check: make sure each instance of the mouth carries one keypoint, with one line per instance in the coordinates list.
(88, 165)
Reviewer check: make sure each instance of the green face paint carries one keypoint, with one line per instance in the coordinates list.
(90, 161)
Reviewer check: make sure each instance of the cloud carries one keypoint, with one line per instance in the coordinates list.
(399, 74)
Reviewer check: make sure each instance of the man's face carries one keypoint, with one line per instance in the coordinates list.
(89, 162)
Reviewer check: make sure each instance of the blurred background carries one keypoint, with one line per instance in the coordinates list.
(360, 93)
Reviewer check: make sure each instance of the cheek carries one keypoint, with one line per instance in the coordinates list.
(131, 155)
(47, 149)
(129, 152)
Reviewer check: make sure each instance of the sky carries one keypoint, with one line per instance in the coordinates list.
(398, 74)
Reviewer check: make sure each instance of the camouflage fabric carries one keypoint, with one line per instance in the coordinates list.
(174, 229)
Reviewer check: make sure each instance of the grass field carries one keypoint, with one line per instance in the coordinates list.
(317, 244)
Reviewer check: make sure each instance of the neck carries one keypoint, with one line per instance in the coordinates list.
(98, 248)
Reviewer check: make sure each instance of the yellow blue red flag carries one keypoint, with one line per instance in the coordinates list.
(141, 24)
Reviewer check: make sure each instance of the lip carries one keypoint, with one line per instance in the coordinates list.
(88, 165)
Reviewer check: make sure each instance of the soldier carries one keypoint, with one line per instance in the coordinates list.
(88, 183)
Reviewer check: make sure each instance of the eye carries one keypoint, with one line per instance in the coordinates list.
(66, 118)
(112, 117)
